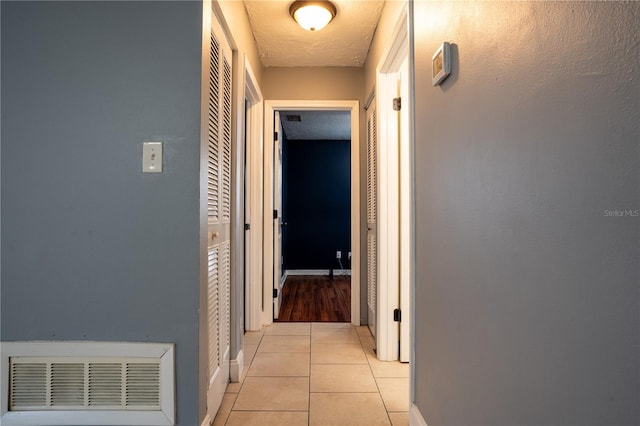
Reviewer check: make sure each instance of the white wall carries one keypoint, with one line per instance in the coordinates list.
(239, 28)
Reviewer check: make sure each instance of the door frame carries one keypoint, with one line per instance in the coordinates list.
(277, 273)
(255, 146)
(395, 240)
(270, 107)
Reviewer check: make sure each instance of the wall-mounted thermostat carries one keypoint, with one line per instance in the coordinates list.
(441, 64)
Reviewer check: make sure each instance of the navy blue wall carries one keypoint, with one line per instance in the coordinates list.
(316, 203)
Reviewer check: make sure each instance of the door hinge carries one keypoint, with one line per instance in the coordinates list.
(275, 293)
(275, 136)
(397, 104)
(397, 315)
(275, 214)
(247, 226)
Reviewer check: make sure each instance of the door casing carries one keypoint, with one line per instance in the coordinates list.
(253, 199)
(271, 106)
(278, 273)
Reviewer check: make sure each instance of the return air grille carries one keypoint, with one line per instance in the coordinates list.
(105, 384)
(67, 384)
(39, 383)
(28, 385)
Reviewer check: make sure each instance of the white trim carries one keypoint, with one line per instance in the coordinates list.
(283, 279)
(412, 261)
(163, 351)
(207, 421)
(283, 105)
(405, 206)
(388, 223)
(255, 147)
(236, 227)
(370, 99)
(415, 416)
(236, 366)
(88, 418)
(278, 278)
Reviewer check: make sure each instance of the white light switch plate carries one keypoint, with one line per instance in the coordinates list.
(152, 157)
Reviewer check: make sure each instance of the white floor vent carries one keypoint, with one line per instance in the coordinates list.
(87, 383)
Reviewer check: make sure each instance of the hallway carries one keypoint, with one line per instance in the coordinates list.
(315, 374)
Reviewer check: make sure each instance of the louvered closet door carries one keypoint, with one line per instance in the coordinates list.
(372, 206)
(218, 216)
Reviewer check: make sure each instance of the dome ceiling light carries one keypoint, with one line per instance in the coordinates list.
(312, 15)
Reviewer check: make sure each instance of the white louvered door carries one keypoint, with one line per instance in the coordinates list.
(218, 216)
(372, 200)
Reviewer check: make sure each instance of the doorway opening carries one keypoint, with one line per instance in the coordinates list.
(331, 265)
(313, 198)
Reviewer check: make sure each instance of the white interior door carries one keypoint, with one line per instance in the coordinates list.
(218, 215)
(393, 238)
(372, 207)
(277, 216)
(388, 220)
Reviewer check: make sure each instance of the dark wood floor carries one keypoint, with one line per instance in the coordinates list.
(316, 298)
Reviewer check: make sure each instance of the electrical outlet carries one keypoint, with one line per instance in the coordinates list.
(338, 254)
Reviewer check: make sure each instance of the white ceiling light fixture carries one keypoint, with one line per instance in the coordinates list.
(312, 15)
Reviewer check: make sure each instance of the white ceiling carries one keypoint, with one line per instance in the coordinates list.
(344, 42)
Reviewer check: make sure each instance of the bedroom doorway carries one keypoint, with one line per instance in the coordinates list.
(275, 225)
(313, 184)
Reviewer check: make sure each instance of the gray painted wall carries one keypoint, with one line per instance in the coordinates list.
(92, 249)
(527, 307)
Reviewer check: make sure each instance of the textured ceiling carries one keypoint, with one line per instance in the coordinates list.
(317, 125)
(344, 42)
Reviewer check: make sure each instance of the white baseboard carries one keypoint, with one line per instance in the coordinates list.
(236, 366)
(336, 272)
(415, 416)
(282, 281)
(206, 421)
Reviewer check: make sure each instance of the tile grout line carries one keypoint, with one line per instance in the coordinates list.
(375, 381)
(361, 341)
(245, 377)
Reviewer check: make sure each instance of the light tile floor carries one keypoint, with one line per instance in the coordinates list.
(321, 374)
